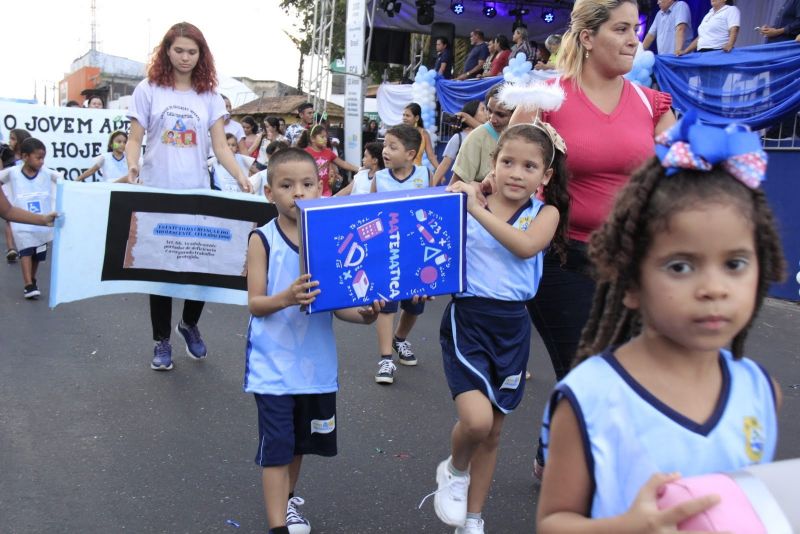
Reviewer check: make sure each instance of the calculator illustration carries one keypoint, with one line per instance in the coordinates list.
(370, 229)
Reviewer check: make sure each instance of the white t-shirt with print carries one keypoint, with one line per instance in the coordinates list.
(715, 29)
(177, 125)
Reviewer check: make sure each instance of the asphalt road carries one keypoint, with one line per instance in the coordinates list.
(92, 440)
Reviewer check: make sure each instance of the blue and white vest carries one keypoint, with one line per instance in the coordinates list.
(111, 168)
(386, 181)
(495, 272)
(33, 195)
(629, 435)
(288, 352)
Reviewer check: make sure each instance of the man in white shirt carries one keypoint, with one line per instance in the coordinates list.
(671, 28)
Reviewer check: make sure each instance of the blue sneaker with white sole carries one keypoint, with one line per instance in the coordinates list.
(162, 356)
(195, 347)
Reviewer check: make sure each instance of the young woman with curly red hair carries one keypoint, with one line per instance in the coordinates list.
(178, 107)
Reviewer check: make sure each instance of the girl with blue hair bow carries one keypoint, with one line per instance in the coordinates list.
(661, 386)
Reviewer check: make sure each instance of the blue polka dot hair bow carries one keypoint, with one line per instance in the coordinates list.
(692, 145)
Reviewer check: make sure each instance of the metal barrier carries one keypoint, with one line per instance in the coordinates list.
(446, 130)
(783, 136)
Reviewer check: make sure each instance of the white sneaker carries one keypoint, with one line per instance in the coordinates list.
(472, 526)
(450, 499)
(295, 522)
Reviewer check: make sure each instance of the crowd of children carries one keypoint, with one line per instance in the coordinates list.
(661, 385)
(683, 264)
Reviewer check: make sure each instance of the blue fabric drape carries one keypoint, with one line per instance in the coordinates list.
(756, 85)
(452, 94)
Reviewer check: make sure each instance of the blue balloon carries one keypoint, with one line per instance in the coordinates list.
(648, 60)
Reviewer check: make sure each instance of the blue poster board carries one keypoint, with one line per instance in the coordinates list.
(384, 246)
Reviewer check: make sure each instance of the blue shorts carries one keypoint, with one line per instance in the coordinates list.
(292, 425)
(36, 253)
(485, 346)
(406, 305)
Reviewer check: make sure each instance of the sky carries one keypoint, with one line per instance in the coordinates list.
(246, 37)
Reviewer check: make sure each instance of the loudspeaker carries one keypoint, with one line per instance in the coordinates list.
(442, 29)
(390, 46)
(425, 12)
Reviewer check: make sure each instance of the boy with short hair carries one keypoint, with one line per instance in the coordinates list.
(399, 150)
(30, 191)
(291, 362)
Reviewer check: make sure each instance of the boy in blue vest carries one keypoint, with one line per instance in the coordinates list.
(400, 148)
(291, 362)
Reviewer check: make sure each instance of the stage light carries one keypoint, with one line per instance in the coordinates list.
(518, 13)
(457, 7)
(489, 11)
(425, 13)
(391, 7)
(640, 33)
(548, 16)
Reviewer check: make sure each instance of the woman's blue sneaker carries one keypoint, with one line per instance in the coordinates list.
(162, 356)
(195, 347)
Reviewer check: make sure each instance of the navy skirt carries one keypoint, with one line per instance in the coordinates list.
(485, 347)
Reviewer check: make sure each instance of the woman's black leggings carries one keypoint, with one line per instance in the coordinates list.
(161, 315)
(562, 305)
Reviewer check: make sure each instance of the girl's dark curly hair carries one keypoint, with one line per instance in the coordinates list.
(643, 208)
(161, 73)
(555, 192)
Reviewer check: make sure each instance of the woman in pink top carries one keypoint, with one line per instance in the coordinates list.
(609, 125)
